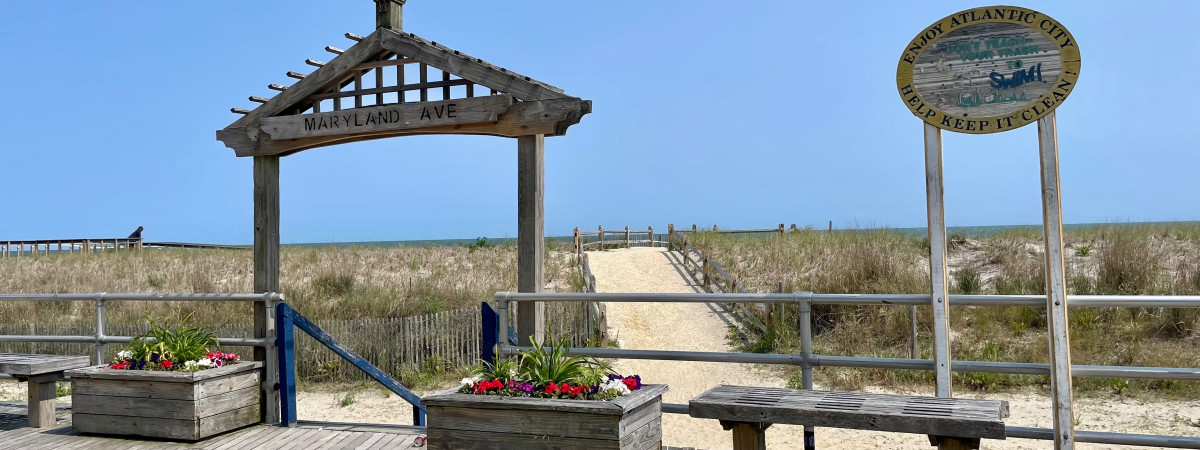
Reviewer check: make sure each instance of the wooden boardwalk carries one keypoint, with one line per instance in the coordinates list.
(15, 434)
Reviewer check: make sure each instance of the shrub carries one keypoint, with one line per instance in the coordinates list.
(967, 281)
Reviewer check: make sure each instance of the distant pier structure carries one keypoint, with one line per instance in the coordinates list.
(31, 247)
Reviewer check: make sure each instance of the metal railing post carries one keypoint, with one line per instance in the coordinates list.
(806, 368)
(502, 326)
(100, 345)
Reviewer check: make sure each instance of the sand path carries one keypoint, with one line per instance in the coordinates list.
(704, 327)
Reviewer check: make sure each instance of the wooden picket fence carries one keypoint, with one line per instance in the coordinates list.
(402, 346)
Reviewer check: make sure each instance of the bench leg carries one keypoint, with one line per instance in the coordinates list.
(41, 404)
(748, 436)
(954, 443)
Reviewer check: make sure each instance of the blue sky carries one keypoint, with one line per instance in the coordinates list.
(743, 114)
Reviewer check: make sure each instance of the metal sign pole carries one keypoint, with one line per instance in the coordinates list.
(1056, 290)
(937, 258)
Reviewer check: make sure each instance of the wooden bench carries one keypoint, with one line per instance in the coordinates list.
(950, 423)
(41, 372)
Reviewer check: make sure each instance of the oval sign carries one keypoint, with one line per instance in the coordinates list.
(987, 70)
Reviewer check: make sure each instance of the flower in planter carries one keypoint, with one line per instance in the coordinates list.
(177, 348)
(550, 373)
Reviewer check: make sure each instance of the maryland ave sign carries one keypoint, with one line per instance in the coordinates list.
(393, 117)
(986, 70)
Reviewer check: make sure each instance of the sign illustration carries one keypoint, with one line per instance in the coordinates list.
(987, 70)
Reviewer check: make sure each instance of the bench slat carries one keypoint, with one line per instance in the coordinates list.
(27, 364)
(881, 412)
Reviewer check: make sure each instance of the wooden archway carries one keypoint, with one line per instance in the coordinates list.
(364, 93)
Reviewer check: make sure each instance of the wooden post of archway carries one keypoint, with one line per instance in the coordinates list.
(331, 106)
(531, 241)
(266, 269)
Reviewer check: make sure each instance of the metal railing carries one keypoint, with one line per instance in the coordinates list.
(100, 339)
(807, 360)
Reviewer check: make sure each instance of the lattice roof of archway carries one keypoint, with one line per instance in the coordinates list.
(393, 83)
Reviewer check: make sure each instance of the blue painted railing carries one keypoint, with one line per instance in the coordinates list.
(285, 319)
(488, 337)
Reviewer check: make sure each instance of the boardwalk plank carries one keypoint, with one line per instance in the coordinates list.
(304, 437)
(354, 441)
(294, 441)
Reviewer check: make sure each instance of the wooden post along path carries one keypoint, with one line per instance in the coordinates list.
(939, 287)
(1056, 286)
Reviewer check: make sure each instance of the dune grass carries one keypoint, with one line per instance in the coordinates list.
(1117, 259)
(320, 282)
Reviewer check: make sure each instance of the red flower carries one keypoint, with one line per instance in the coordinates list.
(166, 364)
(630, 383)
(550, 388)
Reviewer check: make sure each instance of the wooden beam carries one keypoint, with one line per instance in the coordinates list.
(548, 117)
(239, 110)
(382, 90)
(277, 87)
(258, 99)
(531, 240)
(354, 37)
(463, 65)
(1056, 286)
(385, 63)
(266, 265)
(939, 288)
(373, 119)
(296, 75)
(314, 63)
(316, 81)
(334, 50)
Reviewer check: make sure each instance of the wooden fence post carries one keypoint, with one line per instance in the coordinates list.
(830, 225)
(714, 227)
(693, 228)
(578, 246)
(651, 233)
(781, 229)
(670, 236)
(627, 236)
(600, 232)
(704, 271)
(602, 309)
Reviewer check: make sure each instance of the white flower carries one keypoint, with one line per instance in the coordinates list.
(203, 362)
(471, 380)
(124, 354)
(614, 384)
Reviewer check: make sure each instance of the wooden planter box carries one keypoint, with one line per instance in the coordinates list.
(172, 405)
(465, 421)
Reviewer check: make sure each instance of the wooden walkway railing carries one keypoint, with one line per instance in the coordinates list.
(596, 312)
(713, 277)
(618, 238)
